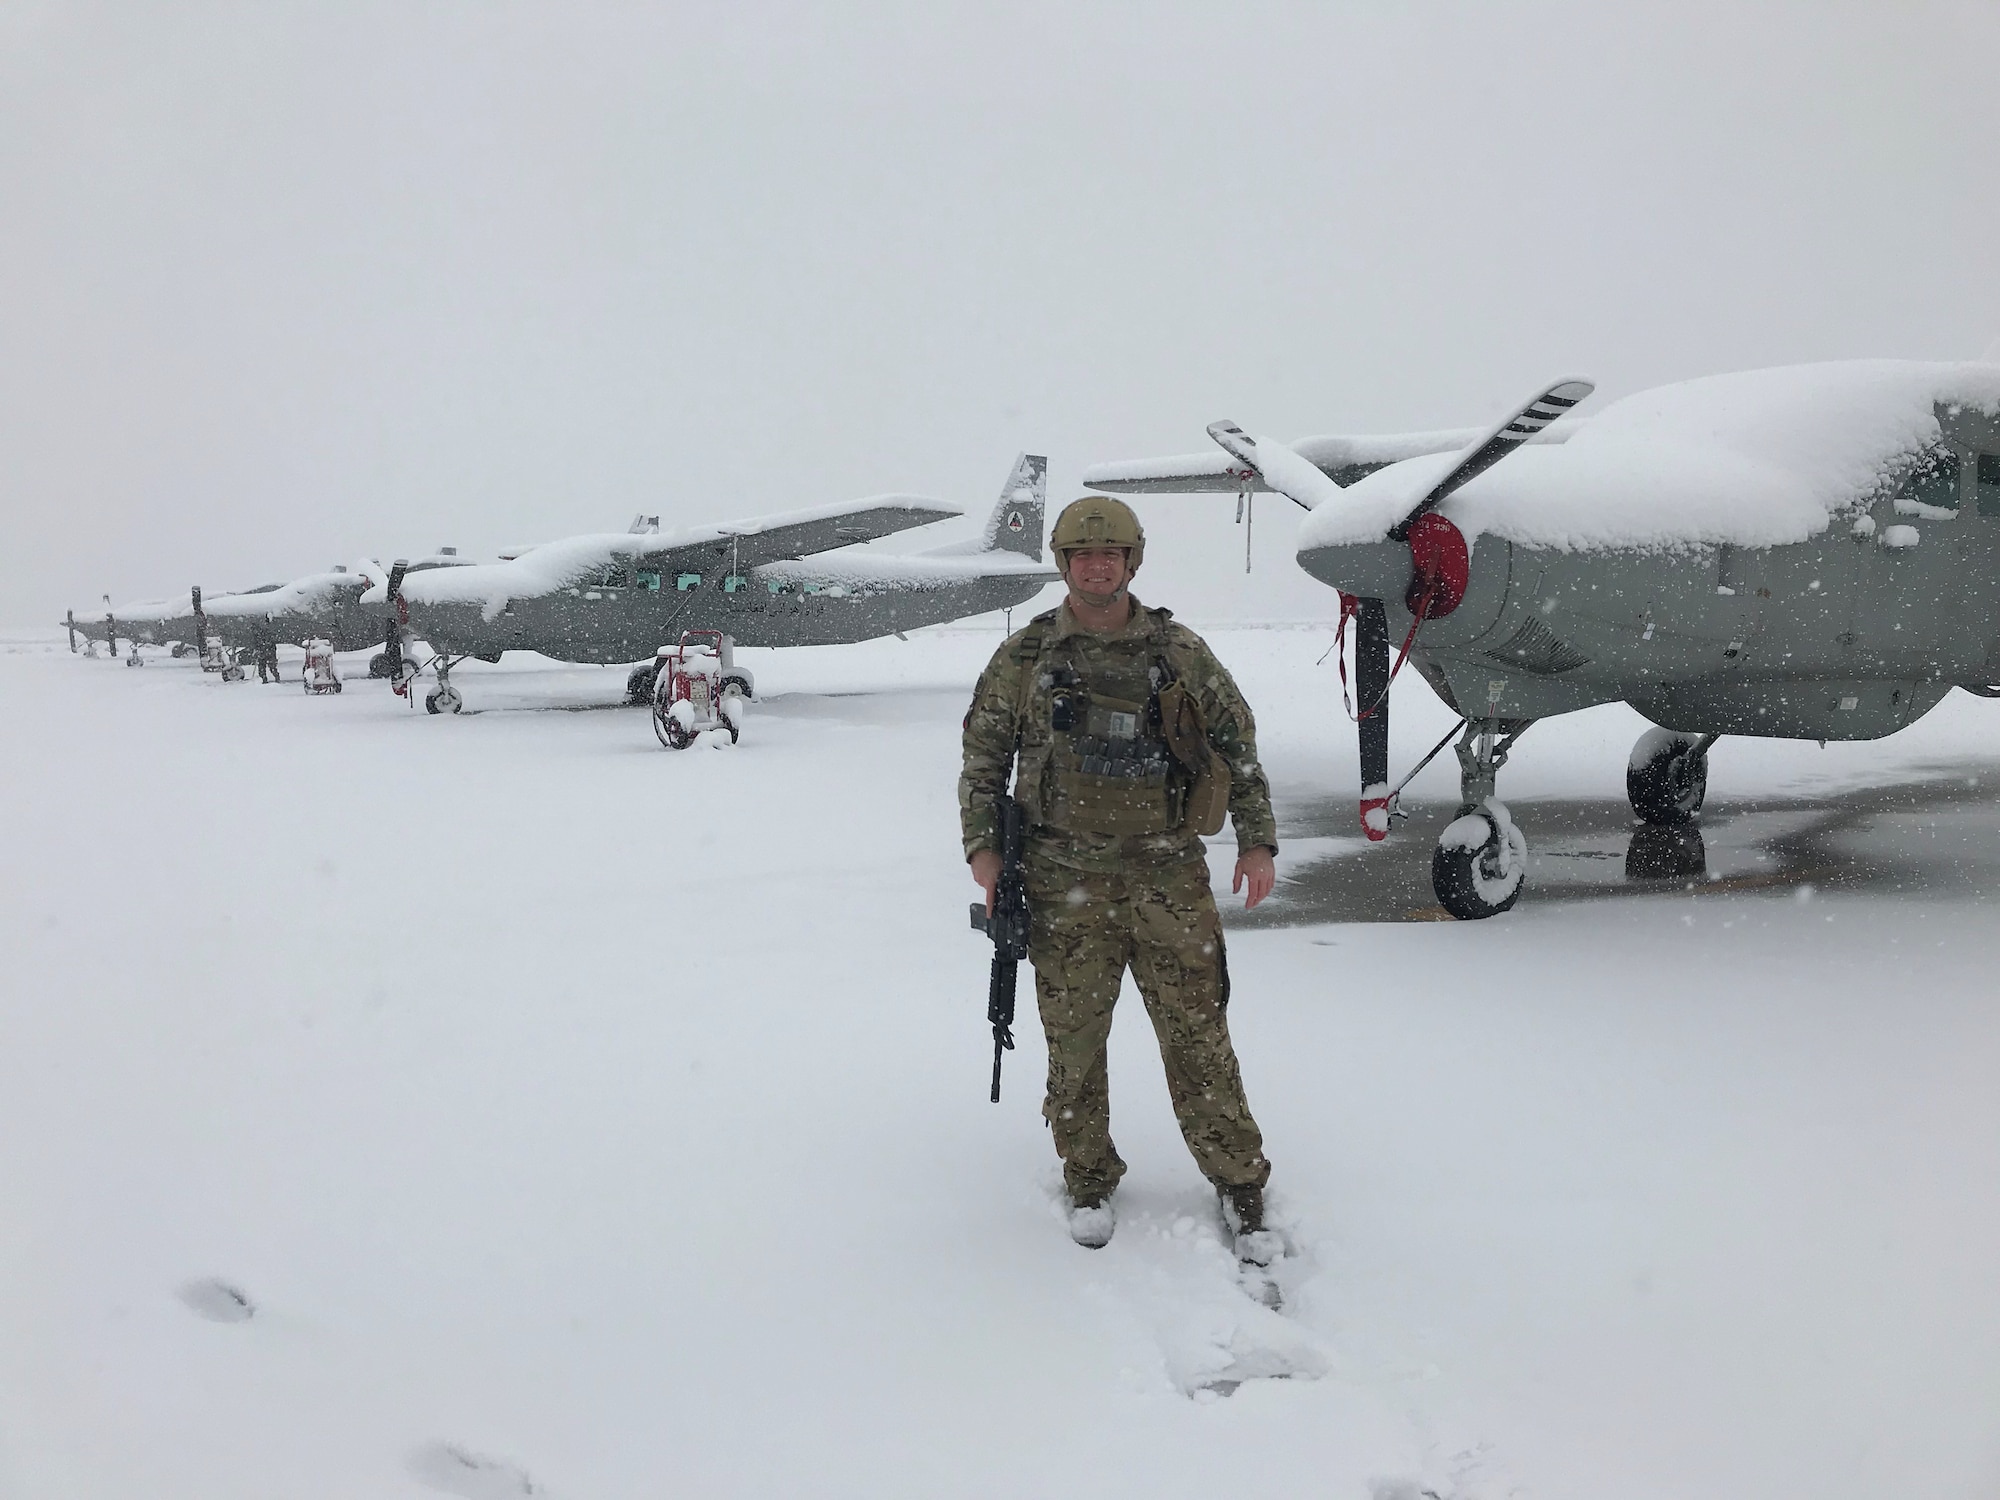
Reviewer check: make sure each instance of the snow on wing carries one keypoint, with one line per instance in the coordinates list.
(1342, 457)
(805, 532)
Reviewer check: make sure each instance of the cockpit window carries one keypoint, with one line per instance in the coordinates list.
(1989, 484)
(1934, 482)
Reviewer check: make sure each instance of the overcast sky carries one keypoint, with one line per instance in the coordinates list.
(286, 285)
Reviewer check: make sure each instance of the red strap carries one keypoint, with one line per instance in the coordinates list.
(1349, 606)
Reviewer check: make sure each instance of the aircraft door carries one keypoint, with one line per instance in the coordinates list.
(1908, 615)
(1979, 554)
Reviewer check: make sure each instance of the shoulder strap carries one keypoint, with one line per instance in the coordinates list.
(1027, 652)
(1028, 649)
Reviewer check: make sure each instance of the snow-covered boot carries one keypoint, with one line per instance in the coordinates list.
(1091, 1222)
(1243, 1213)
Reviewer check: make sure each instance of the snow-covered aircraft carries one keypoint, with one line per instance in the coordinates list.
(254, 622)
(776, 580)
(1793, 553)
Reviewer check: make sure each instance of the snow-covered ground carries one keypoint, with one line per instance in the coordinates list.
(583, 1119)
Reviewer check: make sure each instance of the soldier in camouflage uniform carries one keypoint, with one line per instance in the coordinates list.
(1116, 872)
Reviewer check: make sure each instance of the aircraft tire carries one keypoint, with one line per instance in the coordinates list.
(1664, 780)
(379, 665)
(1483, 880)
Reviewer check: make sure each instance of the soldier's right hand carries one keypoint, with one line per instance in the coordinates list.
(986, 872)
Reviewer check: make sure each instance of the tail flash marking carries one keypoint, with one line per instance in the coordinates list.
(1017, 521)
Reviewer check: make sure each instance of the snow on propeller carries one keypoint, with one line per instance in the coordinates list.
(1440, 568)
(1438, 558)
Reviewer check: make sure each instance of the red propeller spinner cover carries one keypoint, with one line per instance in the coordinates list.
(1442, 561)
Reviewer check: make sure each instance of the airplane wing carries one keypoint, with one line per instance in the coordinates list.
(793, 534)
(1342, 458)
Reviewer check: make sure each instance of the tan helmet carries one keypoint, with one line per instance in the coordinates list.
(1097, 521)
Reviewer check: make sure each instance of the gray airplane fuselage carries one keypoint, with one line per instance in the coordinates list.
(1851, 635)
(629, 614)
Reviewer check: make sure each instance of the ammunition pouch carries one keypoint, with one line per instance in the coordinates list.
(1205, 772)
(1111, 776)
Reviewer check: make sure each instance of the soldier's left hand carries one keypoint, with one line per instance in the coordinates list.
(1260, 869)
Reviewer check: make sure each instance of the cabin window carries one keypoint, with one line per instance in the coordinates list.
(774, 585)
(1989, 484)
(688, 581)
(1935, 482)
(650, 581)
(734, 582)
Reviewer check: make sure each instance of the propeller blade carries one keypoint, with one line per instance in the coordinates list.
(1371, 686)
(1505, 437)
(392, 645)
(1296, 478)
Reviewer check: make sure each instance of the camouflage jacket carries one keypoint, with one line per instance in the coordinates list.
(1010, 719)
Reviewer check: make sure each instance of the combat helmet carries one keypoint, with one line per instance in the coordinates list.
(1097, 521)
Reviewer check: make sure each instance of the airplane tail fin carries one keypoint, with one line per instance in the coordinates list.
(1017, 521)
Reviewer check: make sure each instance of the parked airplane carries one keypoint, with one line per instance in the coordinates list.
(256, 621)
(1794, 553)
(772, 581)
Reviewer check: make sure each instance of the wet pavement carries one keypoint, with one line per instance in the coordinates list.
(1936, 838)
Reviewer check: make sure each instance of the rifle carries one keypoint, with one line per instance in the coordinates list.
(1008, 927)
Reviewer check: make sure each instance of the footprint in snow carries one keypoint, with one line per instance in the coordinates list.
(448, 1467)
(1169, 1265)
(216, 1300)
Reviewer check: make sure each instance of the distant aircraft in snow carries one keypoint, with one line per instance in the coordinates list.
(256, 621)
(776, 580)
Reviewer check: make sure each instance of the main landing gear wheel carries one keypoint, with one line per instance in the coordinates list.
(379, 665)
(1667, 776)
(1479, 862)
(445, 700)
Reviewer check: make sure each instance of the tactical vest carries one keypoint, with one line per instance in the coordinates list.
(1107, 769)
(1094, 757)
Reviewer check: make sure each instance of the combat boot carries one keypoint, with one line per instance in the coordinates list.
(1243, 1213)
(1091, 1221)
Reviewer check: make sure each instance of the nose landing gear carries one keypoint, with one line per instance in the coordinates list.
(1481, 857)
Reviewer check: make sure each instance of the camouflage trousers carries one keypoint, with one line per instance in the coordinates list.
(1086, 929)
